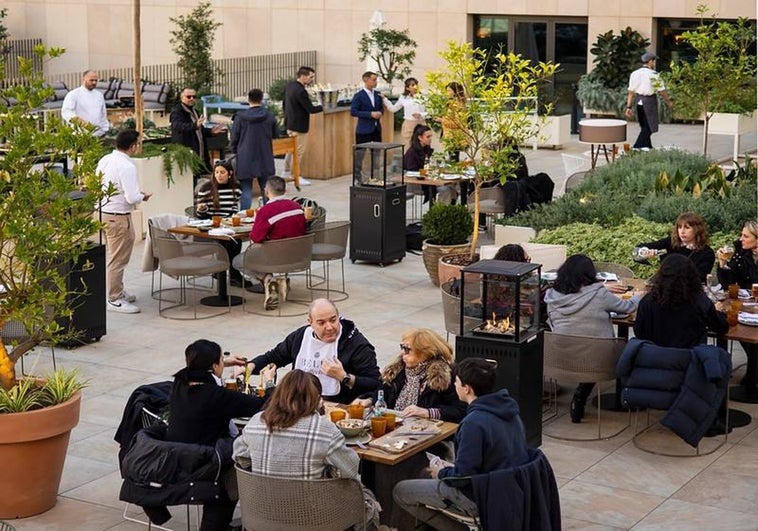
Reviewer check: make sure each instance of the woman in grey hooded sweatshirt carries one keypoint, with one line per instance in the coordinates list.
(579, 304)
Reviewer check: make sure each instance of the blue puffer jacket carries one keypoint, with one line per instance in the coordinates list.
(689, 383)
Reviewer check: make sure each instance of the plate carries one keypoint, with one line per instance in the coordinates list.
(412, 174)
(604, 275)
(747, 319)
(449, 177)
(398, 415)
(361, 439)
(247, 220)
(241, 421)
(200, 223)
(615, 315)
(744, 294)
(549, 275)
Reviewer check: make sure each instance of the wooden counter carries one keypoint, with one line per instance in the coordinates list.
(330, 143)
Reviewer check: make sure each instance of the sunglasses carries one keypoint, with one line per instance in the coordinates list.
(405, 348)
(190, 97)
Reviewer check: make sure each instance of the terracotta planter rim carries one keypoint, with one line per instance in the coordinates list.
(41, 430)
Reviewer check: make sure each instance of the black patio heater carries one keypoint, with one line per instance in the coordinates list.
(500, 322)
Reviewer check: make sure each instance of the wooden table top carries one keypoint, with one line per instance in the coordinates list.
(386, 458)
(433, 182)
(188, 230)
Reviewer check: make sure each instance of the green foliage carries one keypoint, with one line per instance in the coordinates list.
(616, 56)
(447, 224)
(192, 42)
(131, 123)
(500, 92)
(184, 158)
(613, 193)
(722, 78)
(32, 393)
(41, 226)
(3, 29)
(392, 50)
(60, 386)
(276, 89)
(713, 181)
(25, 396)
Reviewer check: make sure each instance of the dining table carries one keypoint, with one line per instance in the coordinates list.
(222, 297)
(459, 179)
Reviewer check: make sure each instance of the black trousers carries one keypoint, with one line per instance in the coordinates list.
(643, 139)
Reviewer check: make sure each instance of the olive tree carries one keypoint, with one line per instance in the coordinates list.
(392, 50)
(192, 42)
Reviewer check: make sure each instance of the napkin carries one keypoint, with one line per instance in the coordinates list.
(746, 317)
(221, 231)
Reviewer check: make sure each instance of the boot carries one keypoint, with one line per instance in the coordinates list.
(579, 400)
(271, 298)
(283, 285)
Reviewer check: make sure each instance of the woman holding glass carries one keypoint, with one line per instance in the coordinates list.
(689, 237)
(417, 157)
(413, 110)
(419, 382)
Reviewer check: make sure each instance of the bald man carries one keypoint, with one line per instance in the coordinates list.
(86, 106)
(333, 349)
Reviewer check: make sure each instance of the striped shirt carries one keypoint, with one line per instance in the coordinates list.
(228, 201)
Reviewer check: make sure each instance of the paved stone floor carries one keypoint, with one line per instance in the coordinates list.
(603, 485)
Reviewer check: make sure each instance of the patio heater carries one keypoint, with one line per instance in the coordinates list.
(500, 322)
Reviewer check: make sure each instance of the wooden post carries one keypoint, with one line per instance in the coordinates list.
(138, 102)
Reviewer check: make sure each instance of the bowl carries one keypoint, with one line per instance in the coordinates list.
(351, 427)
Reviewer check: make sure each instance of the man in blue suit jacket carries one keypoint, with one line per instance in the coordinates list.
(367, 106)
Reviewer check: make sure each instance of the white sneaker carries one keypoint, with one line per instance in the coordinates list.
(286, 175)
(304, 181)
(128, 297)
(122, 306)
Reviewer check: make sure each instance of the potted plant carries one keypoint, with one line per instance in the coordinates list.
(496, 116)
(45, 223)
(392, 50)
(446, 229)
(603, 91)
(721, 79)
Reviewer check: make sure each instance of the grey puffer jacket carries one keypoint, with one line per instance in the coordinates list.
(586, 313)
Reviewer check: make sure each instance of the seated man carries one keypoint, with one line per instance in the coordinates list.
(333, 349)
(490, 437)
(278, 219)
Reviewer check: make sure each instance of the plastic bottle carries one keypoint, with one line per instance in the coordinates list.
(381, 406)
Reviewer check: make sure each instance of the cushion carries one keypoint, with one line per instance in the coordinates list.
(108, 88)
(60, 90)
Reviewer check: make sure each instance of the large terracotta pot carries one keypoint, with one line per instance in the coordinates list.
(431, 254)
(33, 448)
(450, 265)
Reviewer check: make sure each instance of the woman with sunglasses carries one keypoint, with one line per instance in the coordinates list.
(419, 382)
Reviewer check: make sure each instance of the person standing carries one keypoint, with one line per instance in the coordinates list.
(252, 133)
(644, 84)
(120, 172)
(367, 106)
(298, 108)
(187, 127)
(413, 110)
(86, 106)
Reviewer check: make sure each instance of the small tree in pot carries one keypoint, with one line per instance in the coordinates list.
(446, 229)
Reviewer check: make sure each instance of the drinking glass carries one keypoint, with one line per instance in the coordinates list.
(216, 221)
(391, 419)
(378, 426)
(236, 221)
(734, 291)
(731, 317)
(231, 384)
(356, 411)
(337, 414)
(727, 251)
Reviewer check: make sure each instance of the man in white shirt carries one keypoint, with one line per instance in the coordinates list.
(644, 84)
(85, 105)
(119, 171)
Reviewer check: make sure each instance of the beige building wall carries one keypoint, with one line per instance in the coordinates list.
(98, 33)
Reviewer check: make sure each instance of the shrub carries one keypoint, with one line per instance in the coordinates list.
(276, 89)
(447, 224)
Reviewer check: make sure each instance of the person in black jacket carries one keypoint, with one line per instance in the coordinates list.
(297, 109)
(201, 410)
(689, 237)
(417, 157)
(333, 349)
(187, 127)
(419, 382)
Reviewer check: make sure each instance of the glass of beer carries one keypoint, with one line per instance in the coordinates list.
(308, 213)
(390, 418)
(731, 317)
(734, 290)
(231, 384)
(216, 221)
(754, 291)
(727, 251)
(337, 415)
(356, 411)
(250, 212)
(378, 426)
(236, 221)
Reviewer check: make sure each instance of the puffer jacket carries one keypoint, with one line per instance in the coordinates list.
(689, 384)
(157, 472)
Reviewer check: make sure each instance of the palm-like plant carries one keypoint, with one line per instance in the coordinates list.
(497, 115)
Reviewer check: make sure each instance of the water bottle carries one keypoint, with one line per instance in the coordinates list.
(381, 406)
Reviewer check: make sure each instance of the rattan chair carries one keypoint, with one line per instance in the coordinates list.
(570, 358)
(491, 201)
(617, 269)
(177, 260)
(288, 504)
(278, 257)
(330, 243)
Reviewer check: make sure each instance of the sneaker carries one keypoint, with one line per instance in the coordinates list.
(304, 181)
(271, 301)
(286, 175)
(283, 285)
(122, 306)
(128, 297)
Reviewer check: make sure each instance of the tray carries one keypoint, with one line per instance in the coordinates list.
(407, 436)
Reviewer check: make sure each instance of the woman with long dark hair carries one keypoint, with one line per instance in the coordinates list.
(413, 110)
(418, 155)
(290, 439)
(579, 304)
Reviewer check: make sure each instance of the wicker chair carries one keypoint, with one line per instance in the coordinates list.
(278, 257)
(330, 243)
(617, 269)
(491, 201)
(569, 358)
(279, 504)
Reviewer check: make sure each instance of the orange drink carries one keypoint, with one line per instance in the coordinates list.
(236, 221)
(378, 426)
(390, 418)
(216, 221)
(337, 415)
(356, 411)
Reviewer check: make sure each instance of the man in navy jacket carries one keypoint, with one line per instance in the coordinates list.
(490, 437)
(367, 106)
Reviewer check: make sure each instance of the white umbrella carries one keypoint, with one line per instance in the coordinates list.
(376, 21)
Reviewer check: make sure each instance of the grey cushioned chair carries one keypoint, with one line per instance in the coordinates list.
(177, 260)
(288, 504)
(279, 258)
(617, 269)
(491, 201)
(570, 358)
(330, 243)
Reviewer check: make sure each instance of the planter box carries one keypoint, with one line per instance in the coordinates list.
(548, 255)
(555, 132)
(732, 124)
(165, 199)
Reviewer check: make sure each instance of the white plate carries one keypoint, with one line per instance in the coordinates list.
(398, 415)
(748, 319)
(744, 294)
(247, 220)
(361, 439)
(412, 174)
(549, 275)
(200, 222)
(241, 421)
(449, 177)
(604, 275)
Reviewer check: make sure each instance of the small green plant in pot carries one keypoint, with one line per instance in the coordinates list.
(446, 229)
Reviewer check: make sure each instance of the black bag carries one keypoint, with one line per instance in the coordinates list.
(413, 237)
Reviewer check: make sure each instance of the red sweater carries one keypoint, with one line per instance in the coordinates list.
(277, 219)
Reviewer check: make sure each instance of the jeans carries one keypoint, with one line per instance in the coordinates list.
(246, 199)
(414, 495)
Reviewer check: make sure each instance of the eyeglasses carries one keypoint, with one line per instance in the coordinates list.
(405, 348)
(190, 96)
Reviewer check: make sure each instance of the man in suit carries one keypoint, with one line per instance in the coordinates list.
(367, 106)
(298, 108)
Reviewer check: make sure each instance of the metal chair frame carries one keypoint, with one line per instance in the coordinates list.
(328, 243)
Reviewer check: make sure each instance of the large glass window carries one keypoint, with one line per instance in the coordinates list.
(561, 40)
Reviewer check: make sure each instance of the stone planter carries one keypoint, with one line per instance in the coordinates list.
(33, 449)
(450, 265)
(732, 124)
(554, 133)
(431, 254)
(166, 199)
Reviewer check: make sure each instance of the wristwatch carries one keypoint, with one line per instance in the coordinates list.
(346, 380)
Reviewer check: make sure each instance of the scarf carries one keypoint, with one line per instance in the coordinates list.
(410, 392)
(198, 130)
